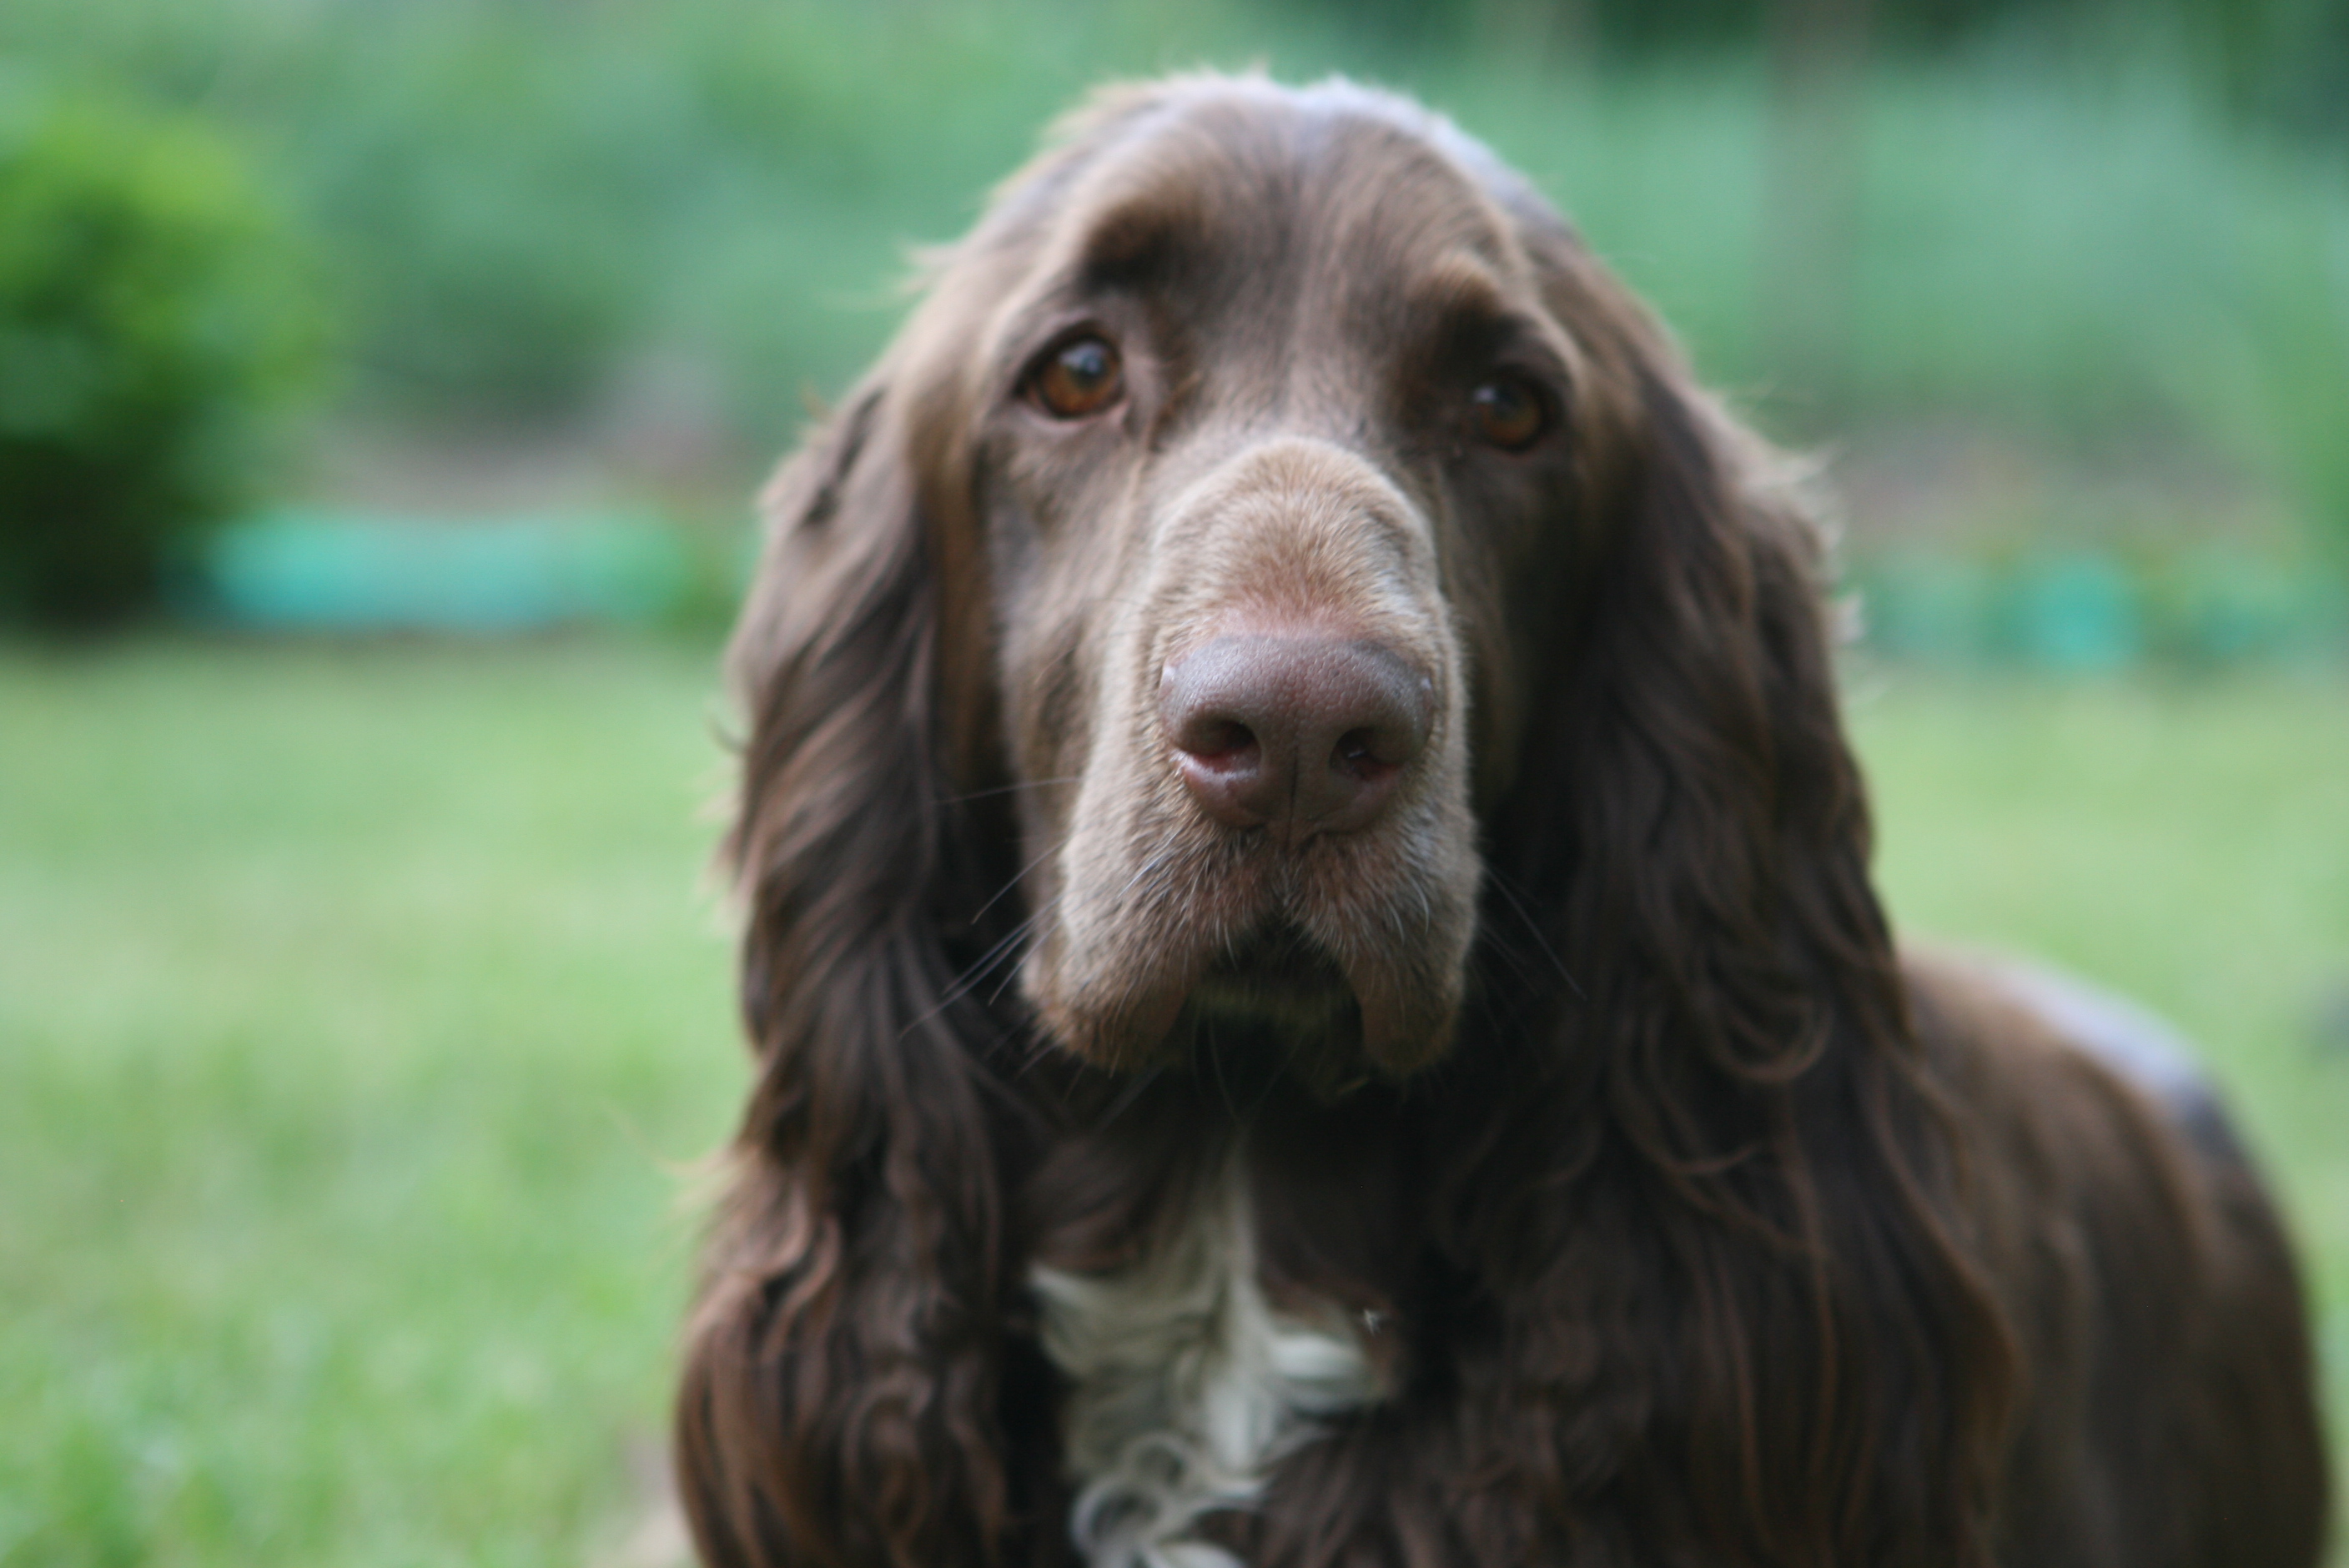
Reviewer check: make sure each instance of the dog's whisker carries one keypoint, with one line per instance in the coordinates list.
(1133, 1091)
(1012, 788)
(1019, 876)
(996, 950)
(979, 967)
(1215, 1061)
(1501, 885)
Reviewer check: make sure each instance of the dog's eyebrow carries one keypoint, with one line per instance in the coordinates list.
(1138, 237)
(1473, 312)
(1460, 284)
(1135, 240)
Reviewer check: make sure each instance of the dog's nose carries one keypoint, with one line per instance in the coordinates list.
(1301, 734)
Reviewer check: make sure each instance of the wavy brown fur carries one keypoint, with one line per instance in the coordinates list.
(1717, 1236)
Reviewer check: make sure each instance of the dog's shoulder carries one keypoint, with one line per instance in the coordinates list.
(2003, 1028)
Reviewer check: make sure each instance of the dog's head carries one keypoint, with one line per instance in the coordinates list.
(1241, 490)
(1282, 597)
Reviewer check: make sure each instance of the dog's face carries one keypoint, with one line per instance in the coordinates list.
(1276, 510)
(1273, 441)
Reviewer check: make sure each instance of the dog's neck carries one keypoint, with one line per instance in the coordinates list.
(1188, 1383)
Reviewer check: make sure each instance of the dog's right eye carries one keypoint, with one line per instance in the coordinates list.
(1510, 412)
(1078, 377)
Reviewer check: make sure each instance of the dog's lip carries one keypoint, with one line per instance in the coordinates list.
(1278, 972)
(1398, 1015)
(1323, 950)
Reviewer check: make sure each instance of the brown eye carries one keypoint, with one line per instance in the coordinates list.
(1080, 377)
(1510, 413)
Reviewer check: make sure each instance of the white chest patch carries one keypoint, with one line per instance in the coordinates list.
(1189, 1385)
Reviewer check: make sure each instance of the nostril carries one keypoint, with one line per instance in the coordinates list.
(1216, 739)
(1306, 732)
(1359, 752)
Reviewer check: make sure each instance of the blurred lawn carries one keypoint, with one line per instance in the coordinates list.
(2185, 843)
(360, 1009)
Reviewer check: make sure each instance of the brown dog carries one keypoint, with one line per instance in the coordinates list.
(1317, 994)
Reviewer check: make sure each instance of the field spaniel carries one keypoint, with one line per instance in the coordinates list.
(1316, 992)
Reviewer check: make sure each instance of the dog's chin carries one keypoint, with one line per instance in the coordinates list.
(1275, 1005)
(1279, 979)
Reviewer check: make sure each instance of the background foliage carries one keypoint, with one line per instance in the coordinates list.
(361, 1020)
(2104, 238)
(150, 316)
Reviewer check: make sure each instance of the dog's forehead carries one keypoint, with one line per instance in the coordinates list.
(1333, 186)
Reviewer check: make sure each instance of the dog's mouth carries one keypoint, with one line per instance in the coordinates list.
(1277, 978)
(1274, 1004)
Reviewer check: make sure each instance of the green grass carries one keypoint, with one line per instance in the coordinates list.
(361, 1009)
(2186, 844)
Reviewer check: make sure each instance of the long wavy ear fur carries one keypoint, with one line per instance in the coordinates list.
(1804, 1347)
(839, 1402)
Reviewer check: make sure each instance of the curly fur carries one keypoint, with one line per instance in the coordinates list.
(1640, 1204)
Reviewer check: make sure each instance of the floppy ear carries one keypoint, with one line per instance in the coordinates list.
(839, 1401)
(1691, 835)
(1692, 808)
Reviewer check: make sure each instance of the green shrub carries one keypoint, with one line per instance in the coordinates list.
(152, 314)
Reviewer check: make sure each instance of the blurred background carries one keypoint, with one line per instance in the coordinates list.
(381, 384)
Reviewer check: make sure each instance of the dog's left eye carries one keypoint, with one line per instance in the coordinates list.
(1080, 376)
(1510, 412)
